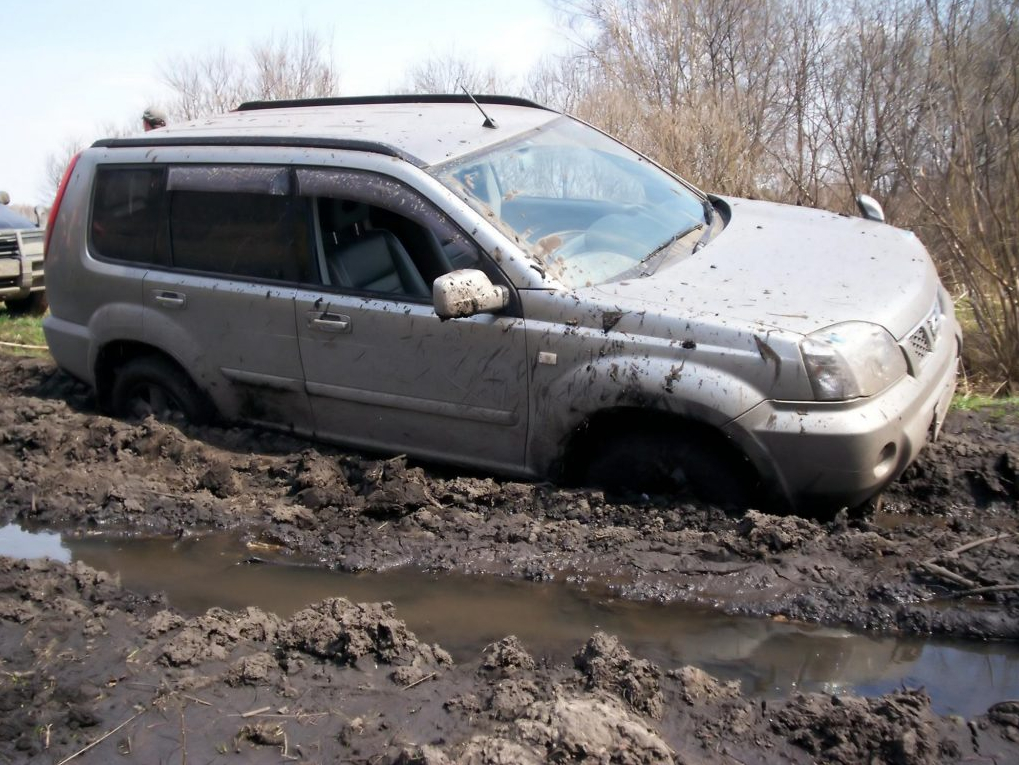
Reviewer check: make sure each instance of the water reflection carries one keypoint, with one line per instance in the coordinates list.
(18, 543)
(465, 614)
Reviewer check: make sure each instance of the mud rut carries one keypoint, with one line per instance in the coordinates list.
(88, 663)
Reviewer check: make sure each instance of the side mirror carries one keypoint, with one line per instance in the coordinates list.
(467, 292)
(870, 208)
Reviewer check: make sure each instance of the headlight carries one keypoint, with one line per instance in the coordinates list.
(851, 360)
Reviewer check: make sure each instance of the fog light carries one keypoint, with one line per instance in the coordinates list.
(886, 460)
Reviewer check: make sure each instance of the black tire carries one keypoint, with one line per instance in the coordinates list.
(153, 385)
(657, 463)
(33, 305)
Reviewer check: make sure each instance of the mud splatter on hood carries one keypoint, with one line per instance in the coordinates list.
(796, 269)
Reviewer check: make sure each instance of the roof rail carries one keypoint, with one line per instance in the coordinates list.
(426, 98)
(345, 144)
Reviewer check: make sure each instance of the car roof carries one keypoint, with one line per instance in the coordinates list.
(425, 130)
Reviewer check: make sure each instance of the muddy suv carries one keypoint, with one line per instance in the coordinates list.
(22, 284)
(499, 286)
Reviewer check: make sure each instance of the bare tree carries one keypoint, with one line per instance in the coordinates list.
(803, 101)
(56, 164)
(450, 73)
(208, 84)
(701, 88)
(57, 161)
(292, 66)
(966, 181)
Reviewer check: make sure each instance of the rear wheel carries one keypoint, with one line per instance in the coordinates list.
(151, 385)
(697, 464)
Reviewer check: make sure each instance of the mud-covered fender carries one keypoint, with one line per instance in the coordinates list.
(162, 331)
(110, 323)
(679, 387)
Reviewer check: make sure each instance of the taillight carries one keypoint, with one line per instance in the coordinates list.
(56, 203)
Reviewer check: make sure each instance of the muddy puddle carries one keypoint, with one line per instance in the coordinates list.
(466, 613)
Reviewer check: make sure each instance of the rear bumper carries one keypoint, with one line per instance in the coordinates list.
(69, 344)
(824, 455)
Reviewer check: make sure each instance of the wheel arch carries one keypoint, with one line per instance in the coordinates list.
(115, 354)
(594, 429)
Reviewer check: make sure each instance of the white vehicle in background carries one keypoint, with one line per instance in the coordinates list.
(22, 284)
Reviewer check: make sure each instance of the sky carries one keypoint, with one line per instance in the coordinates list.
(72, 69)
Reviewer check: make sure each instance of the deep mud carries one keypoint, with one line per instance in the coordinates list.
(69, 468)
(940, 559)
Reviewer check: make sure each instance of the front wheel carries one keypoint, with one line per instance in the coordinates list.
(150, 385)
(695, 463)
(33, 305)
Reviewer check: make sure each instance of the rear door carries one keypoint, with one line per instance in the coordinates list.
(239, 244)
(382, 370)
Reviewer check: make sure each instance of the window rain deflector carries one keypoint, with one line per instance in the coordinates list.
(244, 179)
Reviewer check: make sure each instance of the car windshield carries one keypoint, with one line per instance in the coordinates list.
(588, 208)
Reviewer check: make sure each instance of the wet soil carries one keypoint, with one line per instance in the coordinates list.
(771, 658)
(91, 668)
(339, 680)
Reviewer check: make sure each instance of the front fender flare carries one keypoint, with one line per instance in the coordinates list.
(680, 388)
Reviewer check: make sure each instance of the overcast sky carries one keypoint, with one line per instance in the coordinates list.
(70, 68)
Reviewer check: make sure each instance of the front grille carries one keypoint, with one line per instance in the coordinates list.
(8, 244)
(924, 339)
(921, 343)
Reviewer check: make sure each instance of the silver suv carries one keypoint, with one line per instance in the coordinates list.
(499, 286)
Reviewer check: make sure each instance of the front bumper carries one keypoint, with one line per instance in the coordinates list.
(19, 277)
(825, 455)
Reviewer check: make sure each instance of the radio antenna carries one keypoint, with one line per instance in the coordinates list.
(489, 122)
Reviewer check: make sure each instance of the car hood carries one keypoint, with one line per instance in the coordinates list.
(10, 219)
(796, 269)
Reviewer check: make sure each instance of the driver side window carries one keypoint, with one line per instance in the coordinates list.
(378, 237)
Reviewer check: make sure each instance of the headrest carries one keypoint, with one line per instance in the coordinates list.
(342, 214)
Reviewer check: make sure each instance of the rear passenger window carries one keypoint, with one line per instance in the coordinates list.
(127, 208)
(261, 236)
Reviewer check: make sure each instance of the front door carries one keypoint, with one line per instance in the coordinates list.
(382, 371)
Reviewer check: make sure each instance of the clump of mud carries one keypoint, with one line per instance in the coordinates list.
(899, 727)
(213, 635)
(609, 666)
(349, 633)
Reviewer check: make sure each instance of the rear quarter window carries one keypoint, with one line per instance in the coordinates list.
(127, 211)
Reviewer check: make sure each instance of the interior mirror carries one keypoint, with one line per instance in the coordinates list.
(467, 292)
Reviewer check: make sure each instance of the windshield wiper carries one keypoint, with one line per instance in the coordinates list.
(670, 241)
